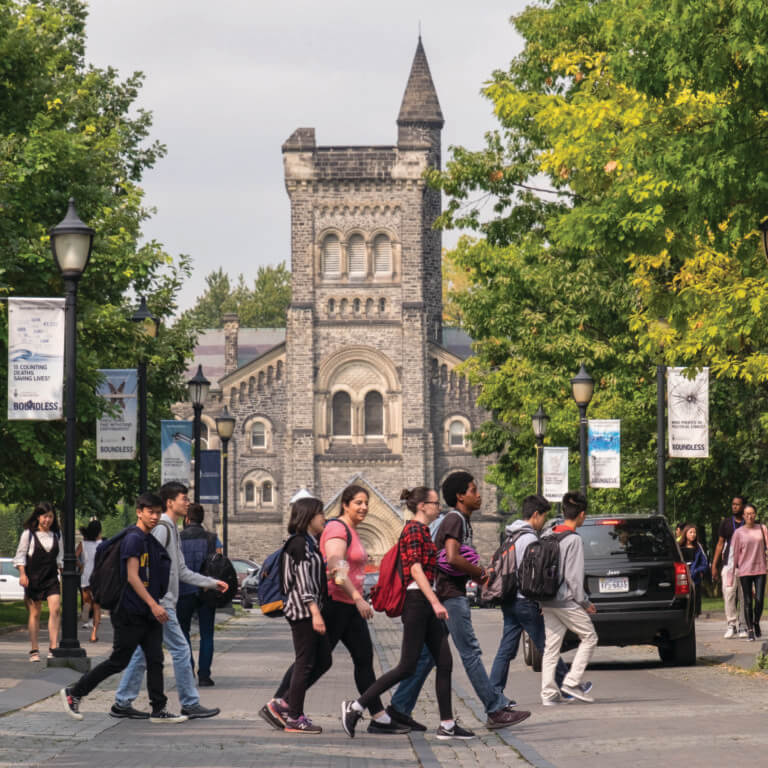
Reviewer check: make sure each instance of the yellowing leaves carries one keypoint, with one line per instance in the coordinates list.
(54, 104)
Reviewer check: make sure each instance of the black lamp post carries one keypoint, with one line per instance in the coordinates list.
(71, 243)
(149, 325)
(198, 392)
(540, 422)
(582, 388)
(225, 426)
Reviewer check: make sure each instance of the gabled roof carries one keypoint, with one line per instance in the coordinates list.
(251, 343)
(420, 102)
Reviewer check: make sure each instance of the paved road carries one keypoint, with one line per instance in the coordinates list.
(645, 713)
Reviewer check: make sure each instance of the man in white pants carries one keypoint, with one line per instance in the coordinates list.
(570, 609)
(732, 597)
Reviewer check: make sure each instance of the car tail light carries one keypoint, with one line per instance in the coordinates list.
(682, 582)
(609, 522)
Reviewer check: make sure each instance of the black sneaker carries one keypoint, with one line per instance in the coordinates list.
(129, 712)
(457, 732)
(198, 711)
(270, 719)
(164, 716)
(387, 728)
(205, 682)
(71, 703)
(349, 718)
(403, 719)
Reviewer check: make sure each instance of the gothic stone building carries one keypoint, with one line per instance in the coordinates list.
(361, 385)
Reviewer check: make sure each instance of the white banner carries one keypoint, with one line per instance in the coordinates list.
(116, 434)
(554, 473)
(688, 414)
(35, 359)
(605, 453)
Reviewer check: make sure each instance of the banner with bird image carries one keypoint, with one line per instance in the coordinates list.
(116, 429)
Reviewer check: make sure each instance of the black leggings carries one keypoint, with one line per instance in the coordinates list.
(310, 649)
(342, 622)
(420, 627)
(753, 613)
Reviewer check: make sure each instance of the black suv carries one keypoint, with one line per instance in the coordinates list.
(637, 579)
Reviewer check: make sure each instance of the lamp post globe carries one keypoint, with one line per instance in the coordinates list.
(225, 427)
(198, 387)
(582, 389)
(71, 245)
(149, 325)
(539, 422)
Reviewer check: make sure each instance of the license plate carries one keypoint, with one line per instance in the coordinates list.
(615, 584)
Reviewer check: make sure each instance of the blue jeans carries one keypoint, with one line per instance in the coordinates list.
(206, 617)
(520, 614)
(465, 640)
(176, 643)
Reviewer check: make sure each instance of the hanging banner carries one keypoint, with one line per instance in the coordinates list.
(688, 414)
(604, 453)
(116, 432)
(176, 438)
(210, 477)
(554, 473)
(35, 359)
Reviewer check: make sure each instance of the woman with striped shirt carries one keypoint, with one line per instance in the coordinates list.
(305, 586)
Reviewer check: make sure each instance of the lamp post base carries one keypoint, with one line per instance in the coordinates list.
(72, 658)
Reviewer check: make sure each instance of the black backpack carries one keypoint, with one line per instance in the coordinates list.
(539, 573)
(219, 567)
(107, 580)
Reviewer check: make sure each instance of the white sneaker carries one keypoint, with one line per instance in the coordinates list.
(730, 632)
(577, 692)
(743, 634)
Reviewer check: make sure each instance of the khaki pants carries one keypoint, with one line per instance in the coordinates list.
(732, 597)
(556, 622)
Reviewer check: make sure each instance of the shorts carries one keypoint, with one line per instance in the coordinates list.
(38, 594)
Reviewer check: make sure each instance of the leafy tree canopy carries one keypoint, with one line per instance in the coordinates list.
(625, 184)
(70, 129)
(263, 306)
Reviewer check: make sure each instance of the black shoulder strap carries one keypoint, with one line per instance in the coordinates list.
(346, 528)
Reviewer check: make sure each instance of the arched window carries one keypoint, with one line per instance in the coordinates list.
(382, 306)
(382, 255)
(356, 306)
(356, 255)
(342, 414)
(331, 306)
(456, 434)
(331, 263)
(266, 492)
(374, 413)
(250, 496)
(258, 435)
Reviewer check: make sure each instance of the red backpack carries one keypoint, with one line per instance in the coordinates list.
(388, 595)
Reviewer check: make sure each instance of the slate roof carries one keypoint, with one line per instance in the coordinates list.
(420, 102)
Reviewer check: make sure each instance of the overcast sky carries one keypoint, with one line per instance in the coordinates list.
(229, 81)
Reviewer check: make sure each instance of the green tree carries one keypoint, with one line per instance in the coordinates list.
(263, 306)
(70, 129)
(627, 177)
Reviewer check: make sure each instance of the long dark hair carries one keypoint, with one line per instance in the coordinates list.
(414, 497)
(92, 531)
(302, 512)
(350, 492)
(32, 523)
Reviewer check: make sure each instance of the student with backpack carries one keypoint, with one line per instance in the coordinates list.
(346, 612)
(521, 613)
(569, 609)
(175, 502)
(305, 589)
(423, 619)
(138, 617)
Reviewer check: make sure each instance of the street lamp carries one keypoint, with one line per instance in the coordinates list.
(582, 388)
(225, 426)
(71, 244)
(198, 392)
(540, 422)
(149, 325)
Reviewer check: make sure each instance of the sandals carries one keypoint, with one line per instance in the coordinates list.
(34, 655)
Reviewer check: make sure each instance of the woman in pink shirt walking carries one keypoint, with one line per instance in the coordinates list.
(749, 545)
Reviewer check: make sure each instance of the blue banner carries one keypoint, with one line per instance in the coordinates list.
(210, 477)
(176, 446)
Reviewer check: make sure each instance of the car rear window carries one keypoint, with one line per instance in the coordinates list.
(632, 538)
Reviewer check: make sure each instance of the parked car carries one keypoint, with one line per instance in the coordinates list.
(244, 568)
(637, 579)
(370, 580)
(10, 589)
(249, 589)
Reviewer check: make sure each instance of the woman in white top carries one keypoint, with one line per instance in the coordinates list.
(39, 560)
(86, 553)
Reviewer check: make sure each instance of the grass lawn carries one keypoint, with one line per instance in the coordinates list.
(712, 604)
(15, 612)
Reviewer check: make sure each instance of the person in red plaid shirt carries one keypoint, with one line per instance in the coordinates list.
(423, 618)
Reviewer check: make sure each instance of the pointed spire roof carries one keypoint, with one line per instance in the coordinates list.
(420, 102)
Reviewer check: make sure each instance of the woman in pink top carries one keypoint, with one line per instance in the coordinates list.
(748, 546)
